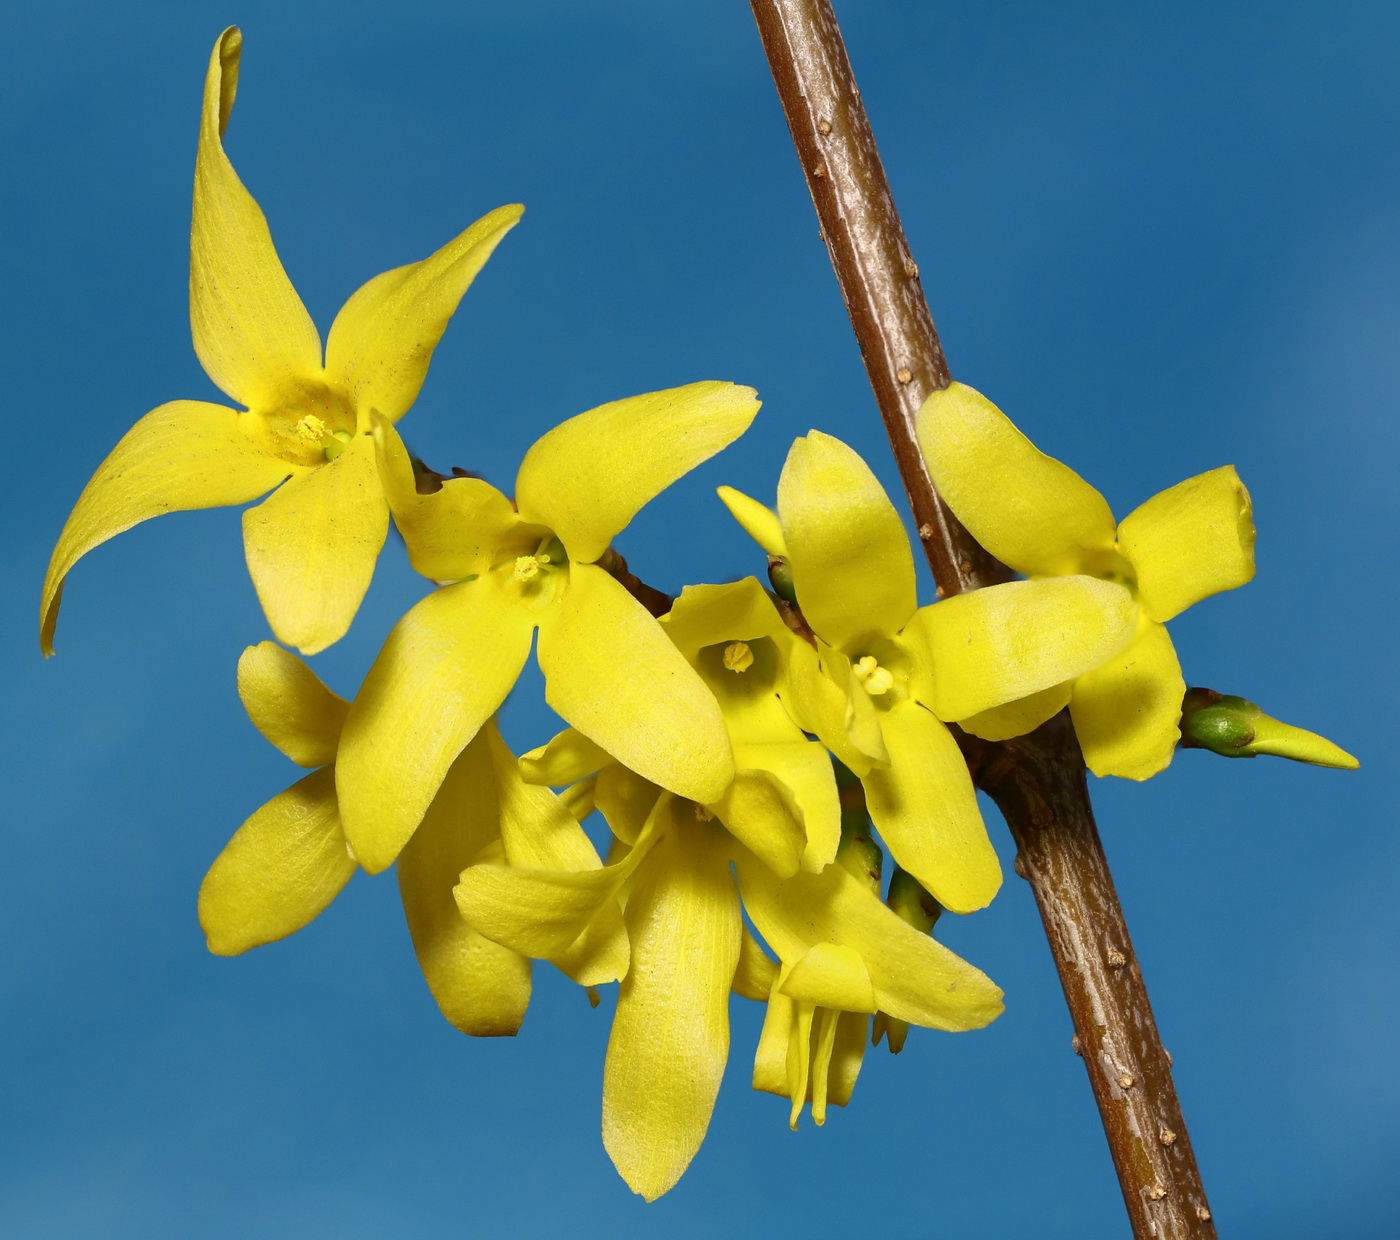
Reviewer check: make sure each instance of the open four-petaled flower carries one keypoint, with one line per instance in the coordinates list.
(885, 673)
(609, 669)
(1042, 519)
(312, 545)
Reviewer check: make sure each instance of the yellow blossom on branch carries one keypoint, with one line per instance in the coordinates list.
(286, 864)
(1041, 518)
(609, 669)
(312, 546)
(885, 673)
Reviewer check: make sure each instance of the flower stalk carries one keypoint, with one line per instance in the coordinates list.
(1038, 780)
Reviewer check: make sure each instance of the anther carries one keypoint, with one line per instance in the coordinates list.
(311, 428)
(738, 657)
(527, 567)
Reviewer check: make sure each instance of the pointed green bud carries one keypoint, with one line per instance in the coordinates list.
(1236, 728)
(858, 853)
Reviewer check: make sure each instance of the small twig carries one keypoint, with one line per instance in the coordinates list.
(1037, 781)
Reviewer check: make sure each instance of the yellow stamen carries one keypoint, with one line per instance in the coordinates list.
(311, 428)
(876, 679)
(527, 567)
(738, 657)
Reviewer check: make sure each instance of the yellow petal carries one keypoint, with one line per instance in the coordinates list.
(566, 759)
(1126, 713)
(1191, 541)
(251, 332)
(755, 974)
(670, 1036)
(611, 672)
(445, 668)
(736, 611)
(830, 975)
(1017, 718)
(1026, 508)
(280, 869)
(924, 805)
(851, 563)
(312, 547)
(759, 521)
(289, 705)
(383, 338)
(912, 976)
(181, 456)
(861, 721)
(625, 800)
(988, 647)
(771, 1062)
(452, 532)
(589, 476)
(819, 705)
(537, 829)
(804, 768)
(482, 988)
(758, 808)
(1283, 740)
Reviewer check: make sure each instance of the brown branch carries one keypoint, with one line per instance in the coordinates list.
(1037, 781)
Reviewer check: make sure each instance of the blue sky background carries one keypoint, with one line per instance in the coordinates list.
(1162, 237)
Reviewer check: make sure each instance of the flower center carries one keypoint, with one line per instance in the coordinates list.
(738, 657)
(876, 679)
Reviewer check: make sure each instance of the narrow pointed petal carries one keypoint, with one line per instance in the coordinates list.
(181, 456)
(481, 987)
(289, 704)
(383, 338)
(851, 563)
(251, 332)
(759, 810)
(445, 668)
(987, 647)
(1026, 508)
(861, 720)
(1190, 541)
(758, 520)
(1283, 740)
(670, 1036)
(1126, 713)
(279, 871)
(912, 976)
(450, 533)
(924, 805)
(770, 1062)
(1017, 718)
(312, 547)
(567, 758)
(846, 1057)
(612, 673)
(589, 476)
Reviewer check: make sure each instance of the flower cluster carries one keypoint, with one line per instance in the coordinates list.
(731, 747)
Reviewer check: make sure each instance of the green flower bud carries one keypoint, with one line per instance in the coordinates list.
(1236, 728)
(913, 904)
(780, 574)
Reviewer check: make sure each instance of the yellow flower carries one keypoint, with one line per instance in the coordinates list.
(687, 947)
(290, 859)
(1041, 518)
(609, 669)
(311, 546)
(885, 672)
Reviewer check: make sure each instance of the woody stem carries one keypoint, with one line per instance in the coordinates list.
(1038, 781)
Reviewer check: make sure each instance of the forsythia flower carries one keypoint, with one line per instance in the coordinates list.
(290, 859)
(886, 672)
(609, 669)
(1042, 519)
(841, 950)
(311, 547)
